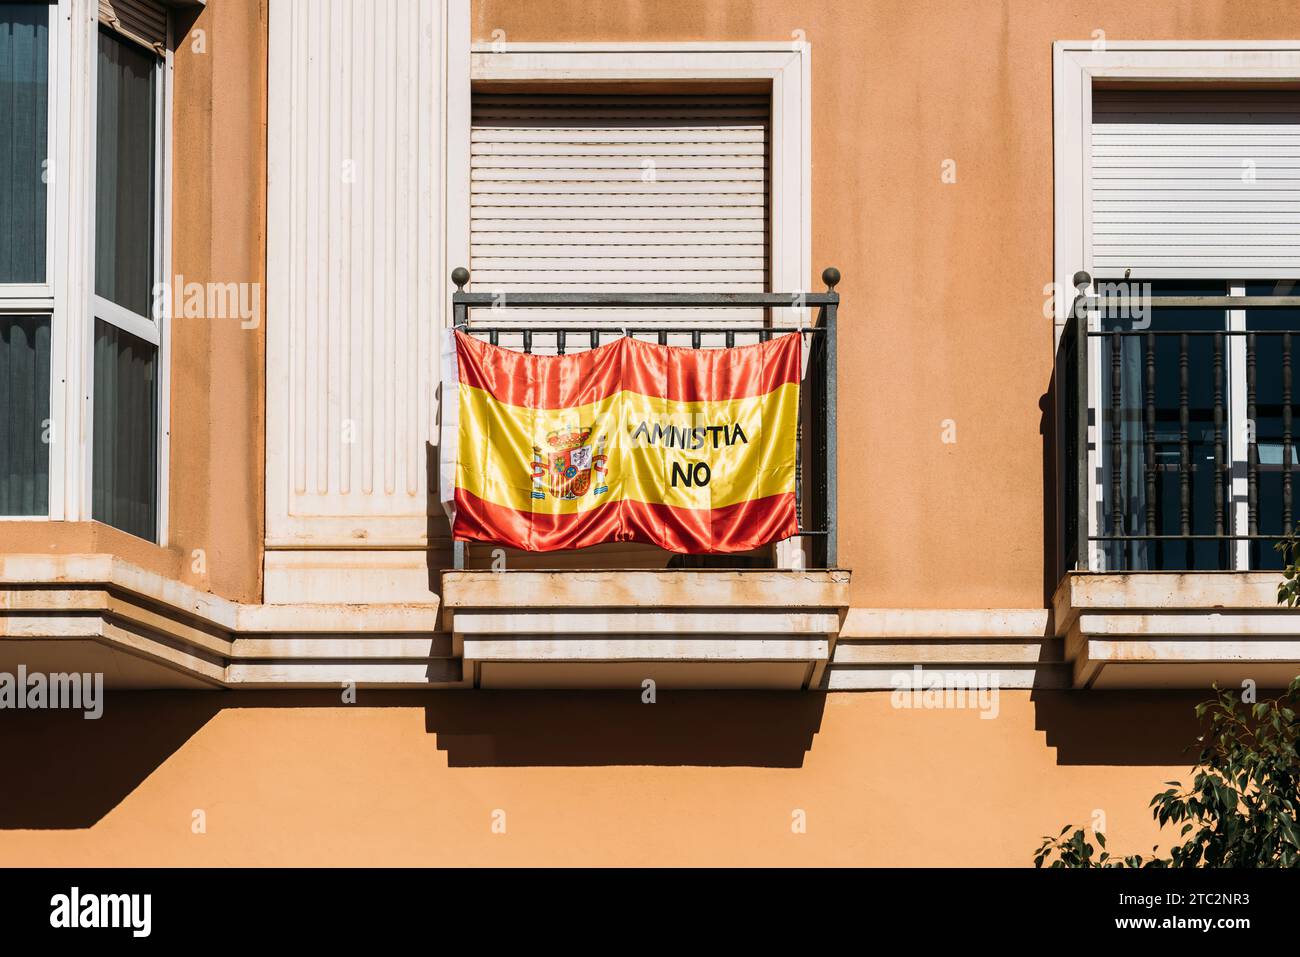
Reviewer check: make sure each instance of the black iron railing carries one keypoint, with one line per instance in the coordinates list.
(1192, 461)
(815, 499)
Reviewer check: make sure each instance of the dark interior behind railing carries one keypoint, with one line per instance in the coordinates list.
(1187, 375)
(815, 459)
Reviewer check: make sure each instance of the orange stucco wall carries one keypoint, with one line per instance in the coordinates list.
(219, 235)
(583, 779)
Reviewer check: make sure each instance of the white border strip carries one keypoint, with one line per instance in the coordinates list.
(449, 433)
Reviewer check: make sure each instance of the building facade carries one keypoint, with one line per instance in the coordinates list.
(1043, 257)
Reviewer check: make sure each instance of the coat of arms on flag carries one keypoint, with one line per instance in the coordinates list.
(565, 465)
(692, 450)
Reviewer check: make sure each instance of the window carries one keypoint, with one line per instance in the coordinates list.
(1171, 186)
(716, 89)
(125, 489)
(1150, 424)
(124, 486)
(25, 393)
(659, 167)
(124, 174)
(1273, 420)
(24, 118)
(1200, 185)
(630, 192)
(81, 360)
(26, 304)
(1239, 492)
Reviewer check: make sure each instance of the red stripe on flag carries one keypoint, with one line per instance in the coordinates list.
(733, 528)
(671, 372)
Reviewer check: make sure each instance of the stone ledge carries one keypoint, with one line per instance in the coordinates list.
(1052, 677)
(615, 629)
(165, 633)
(598, 588)
(1176, 629)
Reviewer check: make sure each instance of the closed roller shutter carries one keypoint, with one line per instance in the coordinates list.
(1188, 184)
(657, 193)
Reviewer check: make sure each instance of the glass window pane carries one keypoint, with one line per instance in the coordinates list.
(125, 486)
(124, 174)
(1162, 498)
(1269, 431)
(25, 397)
(24, 102)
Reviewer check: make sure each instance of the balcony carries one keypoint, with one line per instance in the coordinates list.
(593, 619)
(1180, 464)
(615, 616)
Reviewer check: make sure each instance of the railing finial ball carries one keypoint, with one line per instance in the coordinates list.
(460, 276)
(1082, 281)
(831, 276)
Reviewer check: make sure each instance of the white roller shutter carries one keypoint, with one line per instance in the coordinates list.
(656, 193)
(1188, 184)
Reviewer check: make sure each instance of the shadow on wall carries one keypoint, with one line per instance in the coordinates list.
(1058, 465)
(1120, 727)
(1097, 727)
(64, 772)
(591, 729)
(1053, 558)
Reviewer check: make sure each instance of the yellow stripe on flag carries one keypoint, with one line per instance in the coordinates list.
(698, 455)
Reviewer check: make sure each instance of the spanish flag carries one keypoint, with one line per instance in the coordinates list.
(692, 450)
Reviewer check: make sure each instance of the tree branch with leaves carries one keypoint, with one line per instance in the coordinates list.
(1241, 809)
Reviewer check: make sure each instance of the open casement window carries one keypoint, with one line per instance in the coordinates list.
(1196, 193)
(127, 265)
(26, 295)
(617, 190)
(80, 339)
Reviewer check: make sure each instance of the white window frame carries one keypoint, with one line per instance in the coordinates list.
(787, 65)
(39, 296)
(146, 328)
(38, 299)
(1076, 63)
(68, 294)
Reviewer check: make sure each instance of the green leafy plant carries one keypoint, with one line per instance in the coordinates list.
(1078, 851)
(1288, 592)
(1241, 809)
